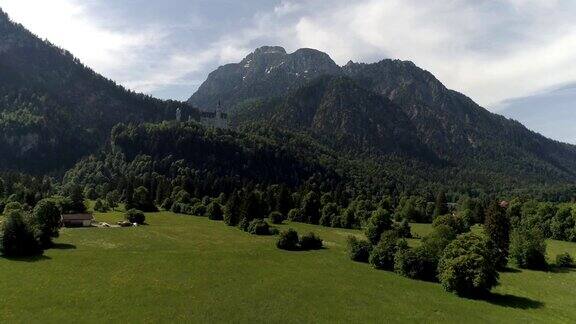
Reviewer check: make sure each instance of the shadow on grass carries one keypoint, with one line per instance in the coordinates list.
(510, 270)
(507, 300)
(555, 269)
(63, 246)
(36, 258)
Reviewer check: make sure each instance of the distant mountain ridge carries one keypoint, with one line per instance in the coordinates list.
(474, 141)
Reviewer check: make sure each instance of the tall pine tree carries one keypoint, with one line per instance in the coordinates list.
(284, 201)
(440, 207)
(497, 227)
(232, 209)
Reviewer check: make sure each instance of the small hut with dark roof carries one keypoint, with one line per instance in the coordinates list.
(77, 220)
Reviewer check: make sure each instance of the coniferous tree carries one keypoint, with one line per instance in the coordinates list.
(497, 227)
(129, 195)
(77, 199)
(232, 209)
(250, 209)
(311, 208)
(284, 202)
(214, 211)
(440, 207)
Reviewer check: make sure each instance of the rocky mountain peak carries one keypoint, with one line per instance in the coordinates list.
(268, 71)
(264, 50)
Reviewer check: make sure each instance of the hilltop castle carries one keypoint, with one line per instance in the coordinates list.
(216, 119)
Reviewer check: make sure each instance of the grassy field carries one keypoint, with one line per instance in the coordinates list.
(190, 269)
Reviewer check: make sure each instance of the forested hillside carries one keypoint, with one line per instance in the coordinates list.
(53, 109)
(205, 161)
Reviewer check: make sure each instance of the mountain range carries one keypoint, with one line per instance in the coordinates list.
(385, 121)
(388, 107)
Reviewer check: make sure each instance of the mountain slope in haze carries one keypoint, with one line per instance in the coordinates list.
(53, 109)
(472, 141)
(456, 127)
(268, 71)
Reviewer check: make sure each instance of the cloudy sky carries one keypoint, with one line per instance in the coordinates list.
(492, 50)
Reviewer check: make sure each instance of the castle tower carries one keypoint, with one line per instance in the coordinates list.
(219, 109)
(221, 118)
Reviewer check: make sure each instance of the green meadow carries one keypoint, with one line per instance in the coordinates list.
(190, 269)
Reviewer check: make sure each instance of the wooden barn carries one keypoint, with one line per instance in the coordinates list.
(77, 220)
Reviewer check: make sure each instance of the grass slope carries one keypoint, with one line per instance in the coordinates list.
(183, 269)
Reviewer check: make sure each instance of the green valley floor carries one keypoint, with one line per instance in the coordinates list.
(190, 269)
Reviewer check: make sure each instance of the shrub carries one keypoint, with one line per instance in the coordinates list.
(380, 221)
(199, 209)
(296, 215)
(276, 217)
(182, 197)
(141, 200)
(418, 263)
(402, 229)
(359, 250)
(12, 206)
(329, 212)
(467, 266)
(564, 260)
(63, 203)
(214, 211)
(348, 218)
(17, 237)
(167, 204)
(382, 255)
(288, 240)
(100, 206)
(562, 224)
(113, 197)
(259, 227)
(243, 224)
(528, 248)
(179, 208)
(310, 241)
(135, 216)
(438, 239)
(336, 221)
(455, 222)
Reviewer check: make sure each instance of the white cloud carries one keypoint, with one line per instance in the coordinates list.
(490, 50)
(67, 24)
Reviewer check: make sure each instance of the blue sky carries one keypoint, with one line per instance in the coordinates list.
(491, 50)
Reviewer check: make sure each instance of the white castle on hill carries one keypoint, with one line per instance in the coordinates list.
(216, 119)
